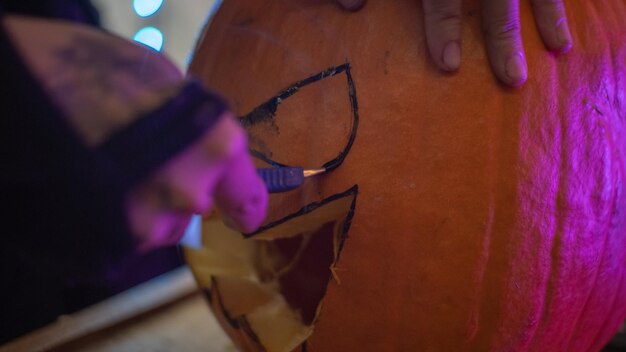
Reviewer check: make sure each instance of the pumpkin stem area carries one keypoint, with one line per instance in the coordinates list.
(267, 290)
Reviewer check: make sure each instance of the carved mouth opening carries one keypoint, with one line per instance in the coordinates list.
(301, 266)
(267, 290)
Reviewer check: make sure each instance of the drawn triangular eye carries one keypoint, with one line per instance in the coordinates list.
(311, 123)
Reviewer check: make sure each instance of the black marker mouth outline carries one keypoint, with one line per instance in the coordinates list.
(267, 111)
(351, 192)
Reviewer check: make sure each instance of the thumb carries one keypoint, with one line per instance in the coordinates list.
(241, 195)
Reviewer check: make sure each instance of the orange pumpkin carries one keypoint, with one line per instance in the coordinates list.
(459, 215)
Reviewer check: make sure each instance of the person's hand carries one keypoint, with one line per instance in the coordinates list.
(501, 26)
(216, 170)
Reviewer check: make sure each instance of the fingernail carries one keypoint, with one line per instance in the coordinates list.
(452, 56)
(563, 36)
(516, 68)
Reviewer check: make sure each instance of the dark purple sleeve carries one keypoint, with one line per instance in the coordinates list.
(138, 149)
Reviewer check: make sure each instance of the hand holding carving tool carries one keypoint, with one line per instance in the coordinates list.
(283, 179)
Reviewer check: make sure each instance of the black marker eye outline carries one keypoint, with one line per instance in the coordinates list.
(267, 111)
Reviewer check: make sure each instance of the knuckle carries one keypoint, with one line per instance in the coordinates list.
(443, 11)
(226, 140)
(449, 18)
(549, 11)
(502, 30)
(238, 143)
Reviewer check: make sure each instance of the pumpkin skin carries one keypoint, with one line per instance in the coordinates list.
(487, 218)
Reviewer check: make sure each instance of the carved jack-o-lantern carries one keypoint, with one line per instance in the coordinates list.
(456, 214)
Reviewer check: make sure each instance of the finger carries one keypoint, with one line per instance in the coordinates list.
(241, 195)
(188, 181)
(443, 32)
(501, 24)
(351, 5)
(159, 208)
(552, 24)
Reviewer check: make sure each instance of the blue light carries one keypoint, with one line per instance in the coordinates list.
(145, 8)
(151, 37)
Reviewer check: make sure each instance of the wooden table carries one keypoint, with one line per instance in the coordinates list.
(168, 313)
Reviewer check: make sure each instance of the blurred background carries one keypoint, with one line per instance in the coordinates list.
(171, 27)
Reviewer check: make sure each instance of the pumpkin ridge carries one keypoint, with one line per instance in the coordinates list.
(601, 335)
(595, 279)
